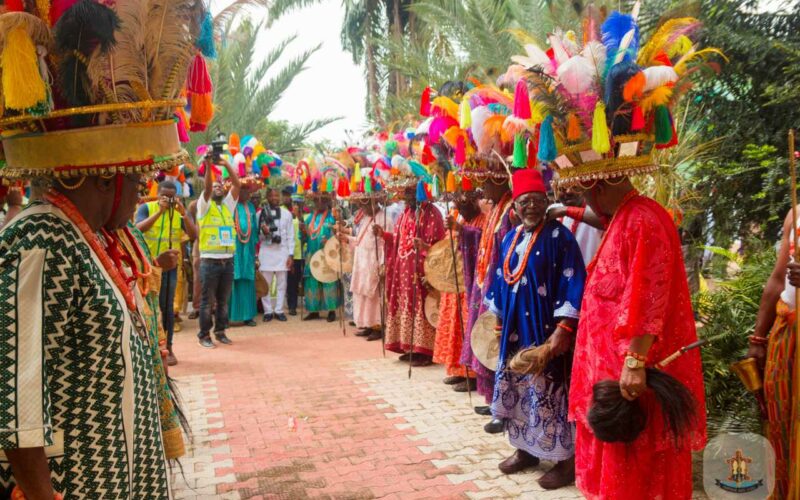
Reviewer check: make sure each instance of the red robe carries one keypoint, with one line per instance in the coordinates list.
(402, 279)
(636, 285)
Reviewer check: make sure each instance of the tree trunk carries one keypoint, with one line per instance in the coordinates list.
(373, 88)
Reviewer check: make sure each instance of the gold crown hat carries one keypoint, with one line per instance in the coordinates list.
(600, 108)
(99, 87)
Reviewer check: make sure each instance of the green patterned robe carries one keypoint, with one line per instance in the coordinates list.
(77, 373)
(320, 297)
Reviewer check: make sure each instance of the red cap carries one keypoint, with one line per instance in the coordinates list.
(527, 180)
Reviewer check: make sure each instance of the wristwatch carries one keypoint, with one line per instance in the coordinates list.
(633, 364)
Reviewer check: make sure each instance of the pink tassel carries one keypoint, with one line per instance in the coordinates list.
(461, 152)
(522, 100)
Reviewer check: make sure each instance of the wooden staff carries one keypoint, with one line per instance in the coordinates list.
(458, 297)
(342, 320)
(414, 289)
(795, 468)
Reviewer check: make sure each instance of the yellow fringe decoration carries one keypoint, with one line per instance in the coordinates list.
(658, 41)
(538, 111)
(600, 139)
(573, 127)
(659, 96)
(680, 66)
(43, 6)
(23, 86)
(464, 114)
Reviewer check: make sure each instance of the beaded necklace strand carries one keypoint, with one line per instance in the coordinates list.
(315, 230)
(513, 277)
(61, 202)
(244, 240)
(486, 246)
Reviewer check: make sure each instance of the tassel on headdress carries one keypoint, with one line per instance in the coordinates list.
(663, 125)
(436, 189)
(573, 127)
(637, 119)
(520, 151)
(519, 120)
(601, 142)
(466, 184)
(450, 182)
(425, 102)
(460, 156)
(200, 88)
(23, 87)
(205, 40)
(547, 141)
(464, 115)
(422, 195)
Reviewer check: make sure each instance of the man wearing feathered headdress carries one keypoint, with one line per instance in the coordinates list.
(85, 410)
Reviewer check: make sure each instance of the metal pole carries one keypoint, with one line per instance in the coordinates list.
(414, 310)
(380, 278)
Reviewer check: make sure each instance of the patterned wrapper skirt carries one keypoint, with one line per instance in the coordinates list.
(782, 395)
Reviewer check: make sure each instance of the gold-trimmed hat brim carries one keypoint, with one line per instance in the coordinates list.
(124, 148)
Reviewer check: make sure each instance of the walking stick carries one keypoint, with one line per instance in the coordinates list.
(380, 278)
(459, 310)
(342, 321)
(795, 469)
(414, 290)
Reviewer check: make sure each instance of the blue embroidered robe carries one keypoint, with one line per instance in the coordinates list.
(535, 407)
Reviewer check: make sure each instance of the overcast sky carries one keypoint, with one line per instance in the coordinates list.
(331, 85)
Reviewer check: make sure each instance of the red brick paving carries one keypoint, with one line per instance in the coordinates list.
(343, 447)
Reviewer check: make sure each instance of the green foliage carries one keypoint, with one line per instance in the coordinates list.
(728, 314)
(248, 90)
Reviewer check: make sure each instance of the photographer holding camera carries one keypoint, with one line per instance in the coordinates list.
(163, 223)
(276, 252)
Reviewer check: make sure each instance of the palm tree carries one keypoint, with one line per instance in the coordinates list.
(244, 97)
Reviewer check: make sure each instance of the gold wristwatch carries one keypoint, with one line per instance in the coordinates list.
(633, 364)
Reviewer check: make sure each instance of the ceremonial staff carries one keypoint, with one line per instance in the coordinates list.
(793, 174)
(342, 321)
(449, 189)
(420, 195)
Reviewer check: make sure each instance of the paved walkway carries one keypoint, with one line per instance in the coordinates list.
(294, 410)
(297, 411)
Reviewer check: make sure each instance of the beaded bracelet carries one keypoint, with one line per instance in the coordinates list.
(756, 340)
(566, 327)
(636, 356)
(576, 213)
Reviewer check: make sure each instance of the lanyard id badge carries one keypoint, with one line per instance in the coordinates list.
(226, 236)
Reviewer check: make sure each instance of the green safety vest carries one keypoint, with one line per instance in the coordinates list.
(217, 217)
(158, 237)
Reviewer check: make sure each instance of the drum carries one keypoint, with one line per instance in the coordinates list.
(320, 270)
(333, 248)
(486, 341)
(432, 308)
(439, 267)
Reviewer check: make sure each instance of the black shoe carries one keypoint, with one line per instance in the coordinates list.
(267, 318)
(223, 339)
(466, 386)
(194, 315)
(250, 323)
(292, 312)
(404, 357)
(453, 380)
(281, 317)
(483, 410)
(375, 335)
(311, 316)
(352, 323)
(494, 427)
(206, 342)
(331, 317)
(364, 332)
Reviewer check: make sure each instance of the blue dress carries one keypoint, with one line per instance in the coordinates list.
(534, 408)
(243, 293)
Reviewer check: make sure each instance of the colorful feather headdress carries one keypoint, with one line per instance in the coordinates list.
(606, 104)
(97, 87)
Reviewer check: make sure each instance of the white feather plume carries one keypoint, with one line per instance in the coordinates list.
(577, 74)
(656, 76)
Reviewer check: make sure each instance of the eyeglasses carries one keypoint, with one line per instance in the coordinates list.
(531, 202)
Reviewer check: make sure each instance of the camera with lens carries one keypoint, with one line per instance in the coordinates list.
(270, 217)
(218, 147)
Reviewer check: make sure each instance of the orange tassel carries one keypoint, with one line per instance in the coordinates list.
(634, 88)
(573, 127)
(202, 109)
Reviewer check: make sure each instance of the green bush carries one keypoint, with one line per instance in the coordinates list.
(728, 314)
